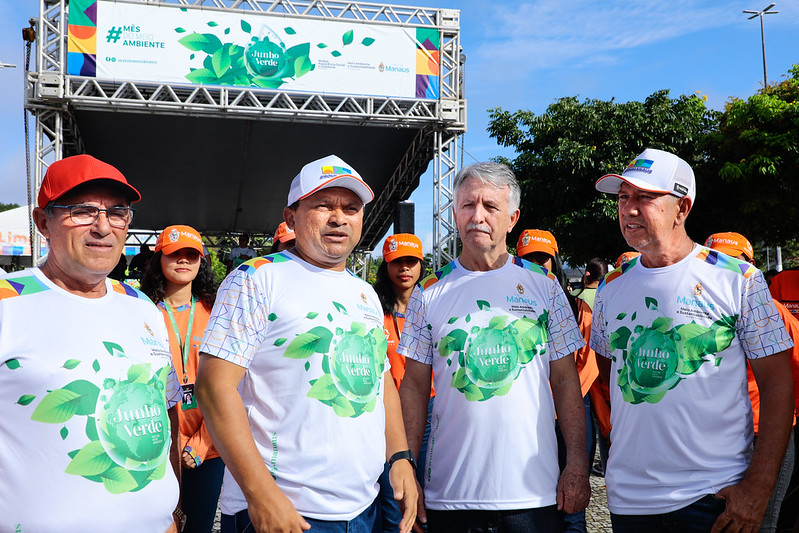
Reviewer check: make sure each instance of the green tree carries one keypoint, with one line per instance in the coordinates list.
(752, 179)
(562, 152)
(6, 207)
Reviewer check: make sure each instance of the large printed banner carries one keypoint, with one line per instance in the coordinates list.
(170, 44)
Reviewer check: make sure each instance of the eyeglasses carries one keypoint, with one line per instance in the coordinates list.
(85, 215)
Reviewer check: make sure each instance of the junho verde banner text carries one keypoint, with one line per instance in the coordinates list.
(172, 44)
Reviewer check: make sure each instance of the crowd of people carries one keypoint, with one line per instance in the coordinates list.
(295, 396)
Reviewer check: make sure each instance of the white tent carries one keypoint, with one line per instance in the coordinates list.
(15, 232)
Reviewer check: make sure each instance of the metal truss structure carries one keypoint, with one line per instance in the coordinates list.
(53, 96)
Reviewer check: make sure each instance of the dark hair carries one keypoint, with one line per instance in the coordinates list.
(595, 270)
(385, 288)
(557, 271)
(153, 282)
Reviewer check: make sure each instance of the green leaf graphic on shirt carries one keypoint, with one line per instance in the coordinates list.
(91, 428)
(25, 399)
(452, 320)
(70, 364)
(96, 365)
(12, 364)
(323, 388)
(117, 480)
(658, 357)
(280, 341)
(64, 433)
(139, 373)
(491, 358)
(311, 315)
(91, 460)
(304, 345)
(114, 349)
(482, 304)
(57, 407)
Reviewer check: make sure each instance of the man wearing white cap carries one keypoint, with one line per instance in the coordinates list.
(674, 327)
(293, 380)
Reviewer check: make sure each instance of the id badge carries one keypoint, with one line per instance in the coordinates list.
(189, 400)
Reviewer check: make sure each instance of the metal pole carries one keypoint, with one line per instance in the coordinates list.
(763, 41)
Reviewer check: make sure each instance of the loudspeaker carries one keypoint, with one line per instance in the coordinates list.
(403, 217)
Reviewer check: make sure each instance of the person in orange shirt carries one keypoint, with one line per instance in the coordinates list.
(540, 247)
(401, 270)
(179, 280)
(284, 238)
(737, 246)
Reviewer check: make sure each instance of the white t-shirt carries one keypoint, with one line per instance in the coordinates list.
(678, 337)
(85, 385)
(313, 344)
(490, 337)
(236, 254)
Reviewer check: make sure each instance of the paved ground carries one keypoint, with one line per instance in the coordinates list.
(597, 515)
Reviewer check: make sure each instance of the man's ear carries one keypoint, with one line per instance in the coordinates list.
(42, 221)
(288, 217)
(684, 207)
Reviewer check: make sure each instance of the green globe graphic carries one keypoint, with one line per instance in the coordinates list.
(353, 368)
(654, 362)
(134, 425)
(492, 358)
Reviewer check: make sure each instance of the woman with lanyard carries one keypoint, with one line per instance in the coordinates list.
(400, 272)
(179, 280)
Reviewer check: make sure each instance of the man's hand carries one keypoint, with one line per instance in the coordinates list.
(276, 514)
(421, 512)
(574, 490)
(188, 460)
(403, 481)
(745, 507)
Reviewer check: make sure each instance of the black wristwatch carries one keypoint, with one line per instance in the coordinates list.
(402, 455)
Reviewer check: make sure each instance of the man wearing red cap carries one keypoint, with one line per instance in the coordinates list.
(497, 333)
(673, 328)
(293, 381)
(87, 387)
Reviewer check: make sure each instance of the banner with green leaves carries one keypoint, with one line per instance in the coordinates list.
(173, 44)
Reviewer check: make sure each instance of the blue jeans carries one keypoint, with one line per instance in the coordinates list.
(540, 520)
(366, 522)
(200, 494)
(769, 524)
(695, 518)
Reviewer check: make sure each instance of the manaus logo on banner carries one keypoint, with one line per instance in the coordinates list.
(264, 61)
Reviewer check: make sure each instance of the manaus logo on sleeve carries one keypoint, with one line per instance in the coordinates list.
(489, 359)
(656, 358)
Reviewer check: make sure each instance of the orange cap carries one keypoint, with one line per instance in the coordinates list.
(402, 245)
(283, 234)
(66, 174)
(176, 238)
(536, 240)
(626, 256)
(730, 243)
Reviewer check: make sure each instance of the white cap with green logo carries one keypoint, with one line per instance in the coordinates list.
(655, 171)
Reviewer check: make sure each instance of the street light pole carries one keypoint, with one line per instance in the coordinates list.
(760, 14)
(766, 11)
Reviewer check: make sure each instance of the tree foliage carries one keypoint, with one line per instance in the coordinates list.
(746, 162)
(752, 174)
(6, 207)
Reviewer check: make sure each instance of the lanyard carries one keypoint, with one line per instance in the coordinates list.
(394, 315)
(186, 344)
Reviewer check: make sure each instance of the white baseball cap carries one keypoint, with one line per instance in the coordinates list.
(654, 171)
(330, 171)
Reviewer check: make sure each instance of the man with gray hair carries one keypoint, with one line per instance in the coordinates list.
(498, 334)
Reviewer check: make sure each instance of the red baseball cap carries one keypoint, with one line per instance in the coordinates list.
(66, 174)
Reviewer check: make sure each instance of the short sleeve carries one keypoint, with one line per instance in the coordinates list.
(417, 339)
(174, 392)
(564, 335)
(238, 322)
(760, 328)
(599, 338)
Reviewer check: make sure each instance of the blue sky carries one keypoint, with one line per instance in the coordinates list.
(525, 55)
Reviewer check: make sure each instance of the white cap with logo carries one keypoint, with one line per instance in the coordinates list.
(655, 171)
(330, 171)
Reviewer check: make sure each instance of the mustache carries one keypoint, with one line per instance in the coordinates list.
(479, 227)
